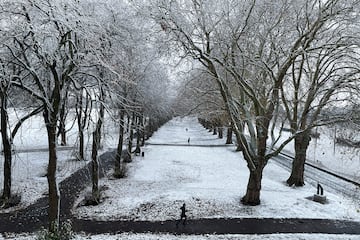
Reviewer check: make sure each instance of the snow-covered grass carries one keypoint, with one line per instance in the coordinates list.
(325, 153)
(210, 180)
(340, 159)
(32, 133)
(29, 167)
(132, 236)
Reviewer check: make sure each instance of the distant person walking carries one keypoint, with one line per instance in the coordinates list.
(188, 140)
(182, 216)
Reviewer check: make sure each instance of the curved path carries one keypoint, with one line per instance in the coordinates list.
(34, 217)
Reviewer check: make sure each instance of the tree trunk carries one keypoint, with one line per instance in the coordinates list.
(54, 194)
(117, 169)
(62, 128)
(128, 123)
(252, 196)
(62, 117)
(240, 127)
(221, 132)
(63, 137)
(131, 135)
(297, 172)
(6, 195)
(94, 156)
(7, 145)
(229, 135)
(142, 130)
(137, 149)
(82, 116)
(95, 167)
(214, 130)
(81, 145)
(81, 136)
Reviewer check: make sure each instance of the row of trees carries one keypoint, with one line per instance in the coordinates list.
(259, 66)
(81, 56)
(265, 65)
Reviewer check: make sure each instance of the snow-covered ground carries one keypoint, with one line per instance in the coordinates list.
(210, 180)
(324, 153)
(29, 167)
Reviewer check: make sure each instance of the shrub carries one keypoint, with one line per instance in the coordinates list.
(122, 172)
(64, 233)
(13, 201)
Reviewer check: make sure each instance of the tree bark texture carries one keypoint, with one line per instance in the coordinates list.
(229, 135)
(215, 131)
(81, 145)
(137, 149)
(117, 169)
(131, 135)
(94, 155)
(221, 132)
(297, 172)
(54, 194)
(95, 167)
(82, 114)
(252, 196)
(6, 195)
(142, 130)
(62, 127)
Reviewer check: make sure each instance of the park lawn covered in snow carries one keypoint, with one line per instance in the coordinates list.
(29, 174)
(30, 158)
(210, 180)
(325, 153)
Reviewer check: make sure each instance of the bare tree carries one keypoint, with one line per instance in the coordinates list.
(319, 80)
(253, 45)
(48, 50)
(83, 107)
(9, 70)
(96, 135)
(7, 133)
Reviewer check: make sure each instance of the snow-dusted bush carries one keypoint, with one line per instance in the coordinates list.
(65, 232)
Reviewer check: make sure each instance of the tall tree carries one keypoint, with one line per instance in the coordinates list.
(9, 71)
(6, 139)
(252, 44)
(96, 135)
(47, 50)
(8, 134)
(83, 107)
(319, 80)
